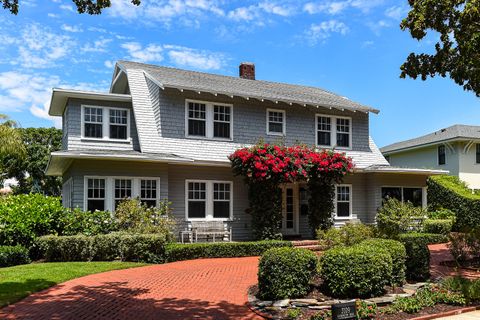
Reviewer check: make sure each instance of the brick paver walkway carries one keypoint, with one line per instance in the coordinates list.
(439, 253)
(195, 289)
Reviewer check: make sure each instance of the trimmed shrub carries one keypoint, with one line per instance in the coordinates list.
(13, 255)
(76, 221)
(418, 255)
(438, 226)
(285, 273)
(398, 253)
(450, 193)
(347, 235)
(27, 216)
(396, 217)
(148, 248)
(442, 214)
(178, 252)
(357, 271)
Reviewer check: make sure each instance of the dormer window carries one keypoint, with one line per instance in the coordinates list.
(333, 131)
(208, 120)
(105, 123)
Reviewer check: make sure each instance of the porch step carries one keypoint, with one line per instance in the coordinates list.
(307, 244)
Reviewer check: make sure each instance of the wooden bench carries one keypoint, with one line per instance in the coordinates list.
(211, 228)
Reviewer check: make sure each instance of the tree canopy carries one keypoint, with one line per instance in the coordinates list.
(83, 6)
(457, 51)
(29, 171)
(11, 145)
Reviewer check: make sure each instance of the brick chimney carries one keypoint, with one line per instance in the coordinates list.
(247, 70)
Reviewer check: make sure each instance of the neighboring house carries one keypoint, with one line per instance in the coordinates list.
(165, 133)
(456, 149)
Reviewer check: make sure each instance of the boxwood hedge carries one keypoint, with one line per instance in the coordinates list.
(13, 255)
(438, 226)
(418, 255)
(285, 273)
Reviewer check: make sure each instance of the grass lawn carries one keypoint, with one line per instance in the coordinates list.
(20, 281)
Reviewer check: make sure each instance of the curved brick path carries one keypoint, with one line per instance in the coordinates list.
(195, 289)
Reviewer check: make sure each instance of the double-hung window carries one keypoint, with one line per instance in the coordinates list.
(441, 155)
(333, 131)
(208, 120)
(96, 194)
(105, 123)
(343, 203)
(477, 153)
(123, 190)
(276, 122)
(413, 195)
(149, 192)
(208, 200)
(93, 122)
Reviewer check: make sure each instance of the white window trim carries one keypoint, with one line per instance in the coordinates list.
(284, 124)
(209, 116)
(351, 216)
(208, 200)
(105, 124)
(333, 131)
(424, 192)
(110, 189)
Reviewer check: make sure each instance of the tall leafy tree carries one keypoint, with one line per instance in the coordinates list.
(30, 170)
(83, 6)
(11, 144)
(457, 52)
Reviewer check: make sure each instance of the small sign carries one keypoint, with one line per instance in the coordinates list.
(344, 311)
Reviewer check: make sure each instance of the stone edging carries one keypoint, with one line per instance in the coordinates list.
(447, 313)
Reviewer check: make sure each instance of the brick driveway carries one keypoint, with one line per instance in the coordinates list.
(196, 289)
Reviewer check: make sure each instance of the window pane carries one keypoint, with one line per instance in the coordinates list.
(343, 140)
(343, 132)
(275, 121)
(149, 203)
(196, 128)
(221, 209)
(477, 153)
(196, 209)
(93, 130)
(414, 195)
(275, 127)
(95, 194)
(324, 131)
(118, 116)
(197, 190)
(324, 139)
(221, 130)
(389, 192)
(93, 205)
(441, 155)
(343, 209)
(118, 132)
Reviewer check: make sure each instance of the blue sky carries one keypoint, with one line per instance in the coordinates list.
(351, 47)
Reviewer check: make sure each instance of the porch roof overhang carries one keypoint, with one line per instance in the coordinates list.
(60, 160)
(400, 170)
(60, 97)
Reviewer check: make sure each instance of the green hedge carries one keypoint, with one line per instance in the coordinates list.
(126, 247)
(438, 226)
(357, 271)
(398, 253)
(450, 193)
(13, 255)
(418, 255)
(285, 273)
(178, 252)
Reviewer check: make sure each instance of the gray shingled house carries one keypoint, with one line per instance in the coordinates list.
(165, 133)
(456, 149)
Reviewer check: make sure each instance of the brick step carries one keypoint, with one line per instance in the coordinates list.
(312, 247)
(301, 243)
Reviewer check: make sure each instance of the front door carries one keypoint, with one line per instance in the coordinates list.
(290, 210)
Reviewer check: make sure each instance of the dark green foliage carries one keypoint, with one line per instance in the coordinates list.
(418, 255)
(25, 217)
(348, 235)
(266, 209)
(470, 289)
(83, 6)
(126, 247)
(437, 226)
(450, 193)
(285, 273)
(455, 53)
(177, 251)
(357, 271)
(13, 255)
(396, 217)
(320, 203)
(398, 253)
(442, 214)
(29, 171)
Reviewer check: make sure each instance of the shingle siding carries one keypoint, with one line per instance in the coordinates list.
(74, 139)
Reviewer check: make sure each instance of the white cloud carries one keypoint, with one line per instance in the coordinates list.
(68, 28)
(256, 12)
(336, 7)
(67, 7)
(109, 64)
(99, 45)
(53, 15)
(150, 53)
(377, 26)
(323, 30)
(198, 59)
(396, 12)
